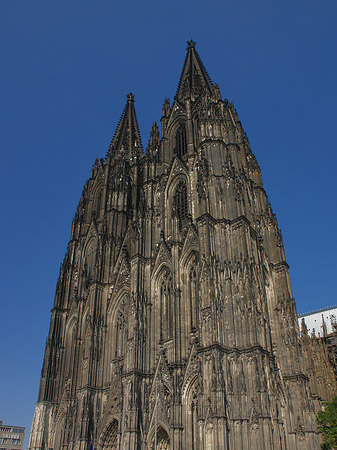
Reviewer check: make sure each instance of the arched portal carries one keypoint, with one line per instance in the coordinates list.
(110, 436)
(163, 440)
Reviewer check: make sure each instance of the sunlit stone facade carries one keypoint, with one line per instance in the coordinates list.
(173, 323)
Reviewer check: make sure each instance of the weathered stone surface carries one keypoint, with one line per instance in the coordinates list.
(173, 322)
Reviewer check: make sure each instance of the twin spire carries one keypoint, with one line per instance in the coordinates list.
(194, 78)
(127, 136)
(194, 81)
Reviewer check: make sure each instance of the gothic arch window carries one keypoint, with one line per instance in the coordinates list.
(91, 259)
(166, 306)
(191, 410)
(70, 347)
(86, 337)
(181, 141)
(162, 438)
(121, 330)
(110, 436)
(193, 295)
(180, 203)
(98, 203)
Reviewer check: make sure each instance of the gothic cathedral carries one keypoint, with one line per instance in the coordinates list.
(173, 324)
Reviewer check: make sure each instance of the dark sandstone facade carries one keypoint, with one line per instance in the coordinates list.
(173, 324)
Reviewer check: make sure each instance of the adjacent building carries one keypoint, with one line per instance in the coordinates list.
(319, 343)
(11, 437)
(174, 325)
(320, 322)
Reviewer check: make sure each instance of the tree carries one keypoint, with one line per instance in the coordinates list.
(327, 425)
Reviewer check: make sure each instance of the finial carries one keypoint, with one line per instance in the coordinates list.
(130, 97)
(190, 44)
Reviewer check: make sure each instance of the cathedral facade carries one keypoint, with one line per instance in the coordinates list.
(173, 324)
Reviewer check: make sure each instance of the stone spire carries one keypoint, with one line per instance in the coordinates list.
(127, 138)
(154, 140)
(194, 78)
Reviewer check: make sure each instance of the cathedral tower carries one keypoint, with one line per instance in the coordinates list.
(173, 324)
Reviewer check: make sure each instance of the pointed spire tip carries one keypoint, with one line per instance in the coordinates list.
(194, 79)
(190, 44)
(131, 97)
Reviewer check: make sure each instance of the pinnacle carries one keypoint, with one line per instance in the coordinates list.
(127, 136)
(154, 140)
(191, 44)
(154, 127)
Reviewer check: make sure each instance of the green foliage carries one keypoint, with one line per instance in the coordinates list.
(327, 425)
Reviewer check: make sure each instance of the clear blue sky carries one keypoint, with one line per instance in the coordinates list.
(66, 69)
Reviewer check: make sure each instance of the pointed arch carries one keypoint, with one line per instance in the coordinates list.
(162, 437)
(109, 439)
(191, 410)
(193, 288)
(162, 301)
(86, 341)
(180, 140)
(90, 256)
(180, 203)
(178, 178)
(175, 131)
(98, 203)
(97, 194)
(165, 292)
(120, 327)
(117, 331)
(190, 283)
(70, 344)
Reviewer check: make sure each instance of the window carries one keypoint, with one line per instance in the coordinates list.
(91, 260)
(193, 288)
(162, 438)
(180, 203)
(121, 329)
(16, 441)
(166, 307)
(98, 203)
(181, 141)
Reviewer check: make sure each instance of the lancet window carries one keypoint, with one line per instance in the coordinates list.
(161, 440)
(86, 347)
(121, 330)
(181, 141)
(91, 259)
(166, 306)
(193, 414)
(193, 294)
(98, 203)
(70, 346)
(180, 203)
